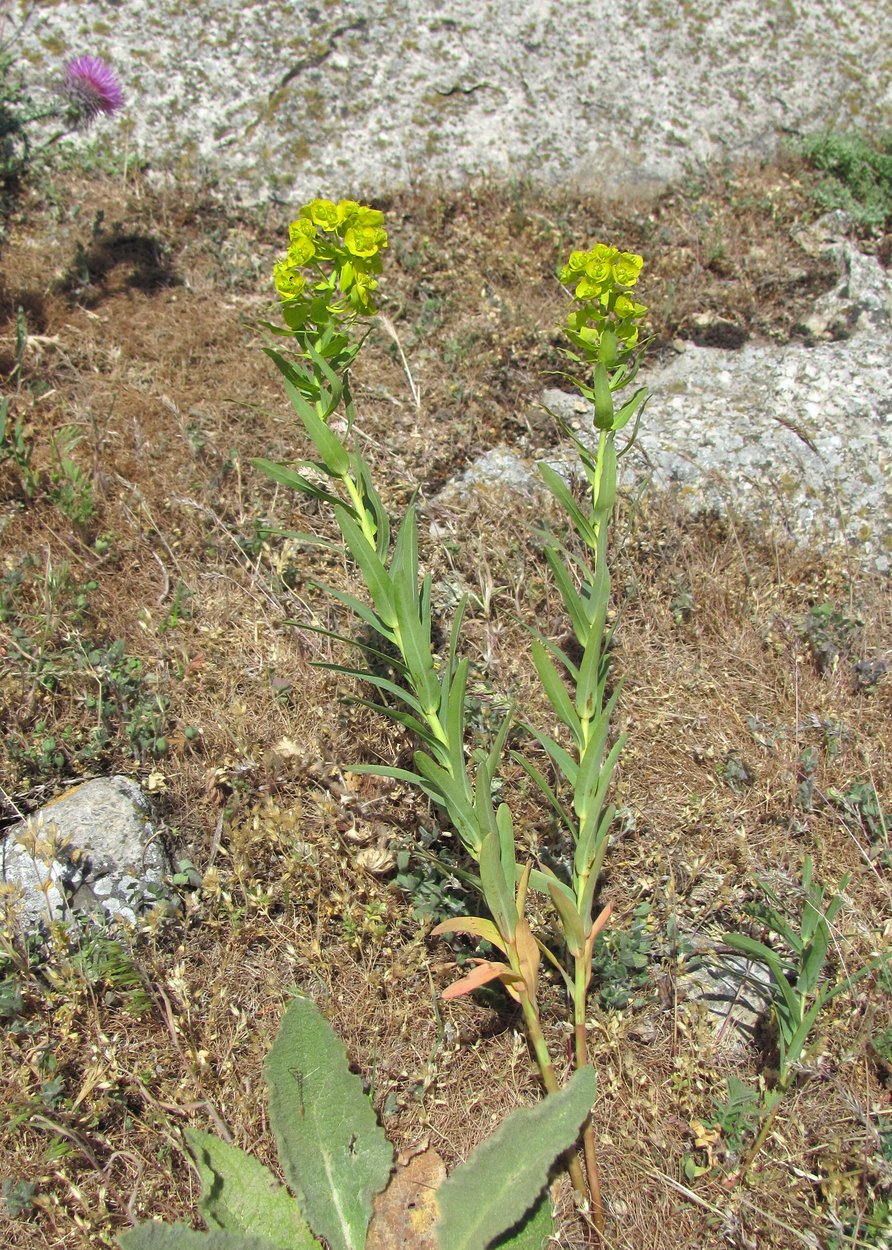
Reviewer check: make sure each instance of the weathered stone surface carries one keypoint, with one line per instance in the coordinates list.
(736, 991)
(92, 849)
(352, 96)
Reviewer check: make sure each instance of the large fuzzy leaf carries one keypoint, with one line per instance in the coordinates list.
(179, 1237)
(240, 1195)
(503, 1179)
(333, 1151)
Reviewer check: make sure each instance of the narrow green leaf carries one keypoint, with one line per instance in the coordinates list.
(455, 717)
(417, 727)
(492, 1191)
(332, 1149)
(373, 571)
(414, 643)
(813, 958)
(358, 609)
(786, 998)
(564, 496)
(557, 654)
(332, 452)
(572, 602)
(536, 776)
(240, 1195)
(359, 643)
(452, 794)
(293, 480)
(556, 690)
(589, 819)
(565, 763)
(373, 502)
(505, 829)
(383, 683)
(498, 889)
(631, 408)
(402, 774)
(571, 924)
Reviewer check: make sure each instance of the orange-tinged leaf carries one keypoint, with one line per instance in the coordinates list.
(600, 921)
(486, 971)
(476, 926)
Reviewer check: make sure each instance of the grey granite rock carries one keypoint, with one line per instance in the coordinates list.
(350, 96)
(92, 849)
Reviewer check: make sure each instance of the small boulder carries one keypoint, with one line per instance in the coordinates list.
(91, 850)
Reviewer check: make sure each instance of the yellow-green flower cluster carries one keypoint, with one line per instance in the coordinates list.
(602, 280)
(340, 246)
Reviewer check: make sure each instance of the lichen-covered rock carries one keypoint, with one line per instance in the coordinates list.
(354, 96)
(92, 850)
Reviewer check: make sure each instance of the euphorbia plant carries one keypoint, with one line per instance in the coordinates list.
(326, 283)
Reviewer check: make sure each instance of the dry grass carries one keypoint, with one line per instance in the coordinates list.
(156, 360)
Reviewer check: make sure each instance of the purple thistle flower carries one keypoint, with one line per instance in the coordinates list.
(90, 87)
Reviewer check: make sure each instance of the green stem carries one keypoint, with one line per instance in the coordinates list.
(582, 980)
(539, 1046)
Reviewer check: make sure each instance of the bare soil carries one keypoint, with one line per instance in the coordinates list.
(749, 715)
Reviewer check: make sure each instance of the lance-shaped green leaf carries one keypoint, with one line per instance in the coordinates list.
(382, 683)
(539, 780)
(498, 885)
(564, 761)
(359, 609)
(373, 503)
(455, 716)
(373, 572)
(571, 924)
(631, 408)
(593, 795)
(333, 1151)
(240, 1195)
(603, 398)
(452, 793)
(572, 602)
(179, 1237)
(419, 728)
(602, 505)
(502, 1180)
(556, 690)
(414, 643)
(332, 452)
(286, 476)
(564, 496)
(758, 950)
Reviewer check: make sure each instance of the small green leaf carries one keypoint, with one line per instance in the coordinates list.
(498, 890)
(563, 495)
(373, 571)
